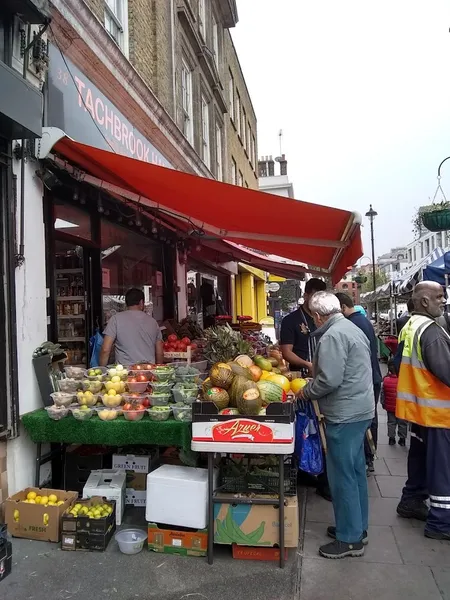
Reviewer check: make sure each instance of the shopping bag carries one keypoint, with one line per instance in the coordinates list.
(95, 345)
(308, 447)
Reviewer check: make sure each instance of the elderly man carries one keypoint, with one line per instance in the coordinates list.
(343, 387)
(423, 399)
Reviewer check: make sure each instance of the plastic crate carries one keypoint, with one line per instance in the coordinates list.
(252, 481)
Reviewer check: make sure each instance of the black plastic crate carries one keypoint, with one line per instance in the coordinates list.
(247, 474)
(5, 559)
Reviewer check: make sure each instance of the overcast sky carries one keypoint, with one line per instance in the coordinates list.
(361, 91)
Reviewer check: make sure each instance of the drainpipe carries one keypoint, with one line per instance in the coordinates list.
(173, 32)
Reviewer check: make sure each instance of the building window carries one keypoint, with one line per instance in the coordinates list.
(244, 128)
(253, 153)
(427, 247)
(233, 171)
(202, 18)
(237, 116)
(241, 179)
(231, 95)
(116, 22)
(215, 41)
(186, 100)
(248, 146)
(439, 239)
(415, 254)
(219, 160)
(433, 243)
(206, 151)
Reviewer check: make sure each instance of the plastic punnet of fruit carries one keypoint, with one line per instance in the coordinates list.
(87, 398)
(57, 412)
(111, 399)
(74, 372)
(82, 413)
(91, 386)
(119, 371)
(62, 398)
(182, 412)
(159, 413)
(69, 385)
(163, 373)
(108, 414)
(95, 374)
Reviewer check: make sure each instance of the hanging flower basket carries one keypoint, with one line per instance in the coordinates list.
(360, 279)
(436, 220)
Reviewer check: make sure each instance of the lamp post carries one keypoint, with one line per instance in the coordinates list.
(371, 214)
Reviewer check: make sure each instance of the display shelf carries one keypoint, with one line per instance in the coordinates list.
(74, 339)
(71, 316)
(63, 298)
(68, 271)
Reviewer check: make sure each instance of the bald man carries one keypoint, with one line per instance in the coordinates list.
(423, 399)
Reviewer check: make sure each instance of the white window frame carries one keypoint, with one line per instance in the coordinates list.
(117, 18)
(244, 128)
(202, 18)
(237, 117)
(253, 155)
(206, 146)
(219, 153)
(233, 171)
(241, 179)
(231, 95)
(249, 140)
(186, 102)
(215, 40)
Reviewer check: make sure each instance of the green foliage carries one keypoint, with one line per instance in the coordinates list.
(380, 279)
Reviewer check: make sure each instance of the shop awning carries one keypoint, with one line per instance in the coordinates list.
(328, 238)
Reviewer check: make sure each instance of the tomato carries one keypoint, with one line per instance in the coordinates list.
(183, 347)
(172, 338)
(127, 406)
(132, 380)
(149, 367)
(186, 341)
(142, 378)
(145, 403)
(167, 346)
(139, 367)
(194, 346)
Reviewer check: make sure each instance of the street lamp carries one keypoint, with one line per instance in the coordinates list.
(371, 214)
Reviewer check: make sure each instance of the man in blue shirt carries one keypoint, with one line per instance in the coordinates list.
(358, 319)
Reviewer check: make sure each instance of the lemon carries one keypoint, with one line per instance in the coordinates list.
(31, 501)
(44, 500)
(53, 498)
(31, 495)
(84, 510)
(25, 501)
(38, 499)
(77, 506)
(60, 502)
(51, 503)
(45, 519)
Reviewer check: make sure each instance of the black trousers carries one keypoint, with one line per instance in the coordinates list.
(429, 474)
(373, 426)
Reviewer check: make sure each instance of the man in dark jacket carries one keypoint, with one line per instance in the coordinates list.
(358, 319)
(401, 321)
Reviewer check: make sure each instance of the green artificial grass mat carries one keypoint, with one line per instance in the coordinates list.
(119, 432)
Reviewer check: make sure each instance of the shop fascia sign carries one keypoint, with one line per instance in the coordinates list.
(77, 106)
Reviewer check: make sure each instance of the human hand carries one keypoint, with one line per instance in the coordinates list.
(310, 368)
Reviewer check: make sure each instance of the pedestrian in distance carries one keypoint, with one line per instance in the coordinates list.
(423, 399)
(388, 399)
(350, 311)
(342, 385)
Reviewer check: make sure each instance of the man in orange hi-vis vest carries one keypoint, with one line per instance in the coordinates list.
(423, 399)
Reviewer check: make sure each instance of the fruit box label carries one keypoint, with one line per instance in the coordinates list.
(243, 430)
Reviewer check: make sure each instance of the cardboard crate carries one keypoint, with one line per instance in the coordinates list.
(136, 490)
(109, 484)
(234, 523)
(80, 461)
(83, 533)
(135, 462)
(30, 523)
(257, 553)
(177, 540)
(5, 558)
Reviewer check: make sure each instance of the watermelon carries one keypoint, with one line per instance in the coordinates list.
(271, 392)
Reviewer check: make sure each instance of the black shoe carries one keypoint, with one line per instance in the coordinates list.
(339, 549)
(324, 491)
(331, 532)
(437, 535)
(392, 442)
(413, 510)
(370, 466)
(402, 442)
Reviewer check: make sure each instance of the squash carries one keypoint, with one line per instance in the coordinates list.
(219, 396)
(243, 360)
(221, 375)
(237, 389)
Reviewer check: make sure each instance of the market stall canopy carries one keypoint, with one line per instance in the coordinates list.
(328, 238)
(415, 274)
(437, 270)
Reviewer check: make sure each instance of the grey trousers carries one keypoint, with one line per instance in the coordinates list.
(392, 423)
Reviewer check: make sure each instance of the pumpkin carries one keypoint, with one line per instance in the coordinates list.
(243, 360)
(237, 389)
(250, 402)
(219, 397)
(221, 375)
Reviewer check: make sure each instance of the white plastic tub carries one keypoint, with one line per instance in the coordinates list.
(131, 541)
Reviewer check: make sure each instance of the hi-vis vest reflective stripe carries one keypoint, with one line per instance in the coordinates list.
(421, 397)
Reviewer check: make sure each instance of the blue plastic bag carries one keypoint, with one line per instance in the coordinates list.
(95, 345)
(308, 446)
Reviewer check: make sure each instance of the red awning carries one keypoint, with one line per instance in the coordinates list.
(327, 238)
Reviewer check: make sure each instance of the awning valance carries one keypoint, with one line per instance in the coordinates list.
(328, 238)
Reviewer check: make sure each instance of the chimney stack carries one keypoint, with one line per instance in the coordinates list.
(283, 165)
(262, 167)
(271, 166)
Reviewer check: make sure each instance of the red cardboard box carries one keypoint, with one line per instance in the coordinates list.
(257, 553)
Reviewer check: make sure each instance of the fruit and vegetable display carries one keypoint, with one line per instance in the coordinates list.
(248, 385)
(35, 498)
(93, 510)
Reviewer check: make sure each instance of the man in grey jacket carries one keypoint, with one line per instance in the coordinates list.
(342, 385)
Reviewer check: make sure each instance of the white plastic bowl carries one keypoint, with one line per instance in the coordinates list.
(131, 541)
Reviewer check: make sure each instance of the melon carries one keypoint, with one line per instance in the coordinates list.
(219, 396)
(271, 392)
(238, 370)
(238, 387)
(263, 363)
(206, 385)
(243, 360)
(221, 375)
(273, 361)
(250, 402)
(280, 380)
(229, 411)
(255, 372)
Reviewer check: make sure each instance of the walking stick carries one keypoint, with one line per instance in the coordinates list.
(371, 442)
(320, 421)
